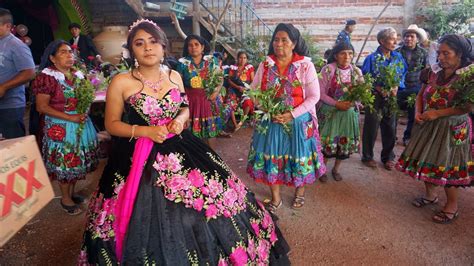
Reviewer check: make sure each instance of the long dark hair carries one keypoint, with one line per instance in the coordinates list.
(341, 46)
(295, 36)
(51, 49)
(461, 46)
(201, 40)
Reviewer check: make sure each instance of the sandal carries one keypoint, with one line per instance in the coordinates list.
(298, 202)
(272, 208)
(421, 202)
(78, 199)
(336, 175)
(389, 165)
(443, 217)
(71, 210)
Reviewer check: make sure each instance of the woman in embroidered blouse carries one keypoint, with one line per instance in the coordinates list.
(276, 157)
(441, 157)
(338, 120)
(238, 74)
(67, 157)
(166, 198)
(193, 67)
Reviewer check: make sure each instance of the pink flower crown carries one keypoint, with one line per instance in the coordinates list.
(139, 21)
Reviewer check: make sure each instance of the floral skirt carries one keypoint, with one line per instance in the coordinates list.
(204, 123)
(439, 152)
(189, 209)
(69, 158)
(293, 159)
(339, 131)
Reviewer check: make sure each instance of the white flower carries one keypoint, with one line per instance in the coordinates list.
(234, 67)
(208, 57)
(79, 74)
(270, 62)
(345, 89)
(184, 61)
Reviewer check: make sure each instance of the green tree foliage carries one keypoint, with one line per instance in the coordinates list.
(440, 19)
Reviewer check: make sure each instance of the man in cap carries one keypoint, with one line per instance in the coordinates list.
(415, 58)
(345, 34)
(83, 43)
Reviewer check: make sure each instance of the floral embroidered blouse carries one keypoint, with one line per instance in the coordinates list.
(193, 74)
(438, 96)
(301, 69)
(330, 89)
(53, 83)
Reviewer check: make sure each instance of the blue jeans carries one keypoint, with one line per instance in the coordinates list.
(11, 122)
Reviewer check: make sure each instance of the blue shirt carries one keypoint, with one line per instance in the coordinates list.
(343, 36)
(370, 66)
(15, 56)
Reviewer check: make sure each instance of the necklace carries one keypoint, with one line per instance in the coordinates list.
(155, 86)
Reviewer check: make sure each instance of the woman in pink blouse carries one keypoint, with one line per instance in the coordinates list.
(277, 156)
(338, 119)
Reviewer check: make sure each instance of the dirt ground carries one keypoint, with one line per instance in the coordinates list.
(365, 219)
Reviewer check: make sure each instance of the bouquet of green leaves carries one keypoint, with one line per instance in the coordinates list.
(390, 78)
(85, 93)
(270, 104)
(411, 100)
(360, 91)
(464, 87)
(214, 78)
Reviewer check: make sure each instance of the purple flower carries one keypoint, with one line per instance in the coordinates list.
(222, 262)
(211, 211)
(196, 178)
(263, 249)
(255, 227)
(251, 250)
(150, 105)
(173, 163)
(170, 196)
(273, 236)
(175, 95)
(215, 188)
(198, 204)
(177, 183)
(239, 256)
(267, 220)
(230, 196)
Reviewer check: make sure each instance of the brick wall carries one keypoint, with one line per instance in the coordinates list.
(323, 19)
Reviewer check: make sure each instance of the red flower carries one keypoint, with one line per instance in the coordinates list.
(53, 157)
(203, 73)
(441, 102)
(309, 131)
(90, 58)
(425, 170)
(72, 160)
(462, 174)
(71, 104)
(342, 140)
(74, 47)
(56, 133)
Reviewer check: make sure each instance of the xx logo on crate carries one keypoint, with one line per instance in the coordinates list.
(18, 187)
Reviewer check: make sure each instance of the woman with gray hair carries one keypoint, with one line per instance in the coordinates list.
(277, 157)
(382, 117)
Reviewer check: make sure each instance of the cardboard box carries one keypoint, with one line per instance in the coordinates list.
(25, 187)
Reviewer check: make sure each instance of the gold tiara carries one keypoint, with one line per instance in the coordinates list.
(139, 21)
